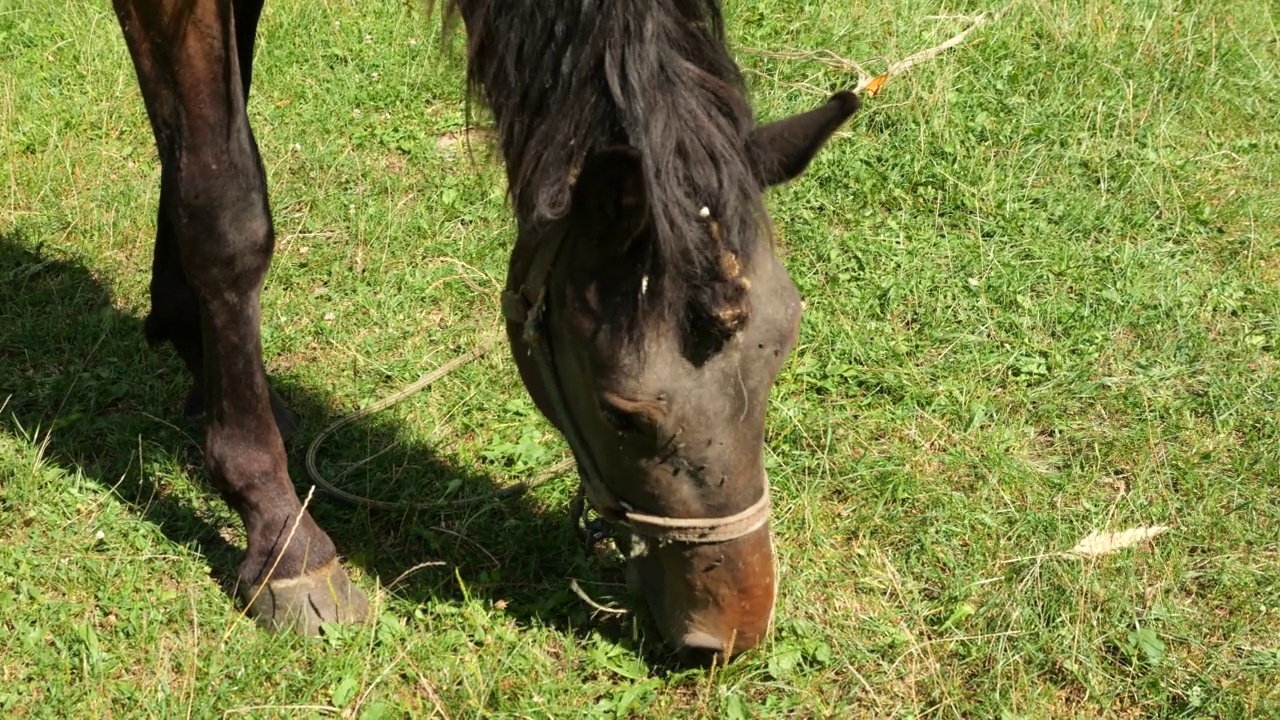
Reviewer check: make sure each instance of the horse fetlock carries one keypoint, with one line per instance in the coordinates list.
(284, 540)
(284, 546)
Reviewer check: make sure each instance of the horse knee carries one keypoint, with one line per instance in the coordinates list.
(226, 237)
(244, 466)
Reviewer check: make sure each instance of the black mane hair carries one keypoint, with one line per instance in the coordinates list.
(566, 78)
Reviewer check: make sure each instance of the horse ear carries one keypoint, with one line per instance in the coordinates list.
(784, 148)
(609, 194)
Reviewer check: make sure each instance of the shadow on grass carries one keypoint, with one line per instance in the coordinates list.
(76, 368)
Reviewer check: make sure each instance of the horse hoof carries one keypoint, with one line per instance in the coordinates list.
(302, 604)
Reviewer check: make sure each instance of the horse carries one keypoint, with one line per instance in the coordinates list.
(645, 308)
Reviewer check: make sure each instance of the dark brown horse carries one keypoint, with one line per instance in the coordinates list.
(646, 310)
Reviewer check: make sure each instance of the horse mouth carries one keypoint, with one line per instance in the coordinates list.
(710, 602)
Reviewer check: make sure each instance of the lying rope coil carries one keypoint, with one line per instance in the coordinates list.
(399, 396)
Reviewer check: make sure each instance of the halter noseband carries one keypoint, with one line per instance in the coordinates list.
(527, 307)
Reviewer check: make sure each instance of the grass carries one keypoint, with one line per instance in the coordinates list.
(1042, 276)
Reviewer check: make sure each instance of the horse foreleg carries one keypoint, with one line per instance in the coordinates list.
(214, 245)
(175, 309)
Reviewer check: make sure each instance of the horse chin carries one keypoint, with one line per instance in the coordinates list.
(711, 602)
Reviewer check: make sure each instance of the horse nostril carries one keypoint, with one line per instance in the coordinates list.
(700, 648)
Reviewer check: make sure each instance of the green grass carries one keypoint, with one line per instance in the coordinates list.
(1043, 284)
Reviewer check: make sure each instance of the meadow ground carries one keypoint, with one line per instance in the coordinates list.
(1042, 274)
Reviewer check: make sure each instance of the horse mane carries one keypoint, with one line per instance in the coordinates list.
(565, 78)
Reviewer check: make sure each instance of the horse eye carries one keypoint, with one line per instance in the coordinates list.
(623, 422)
